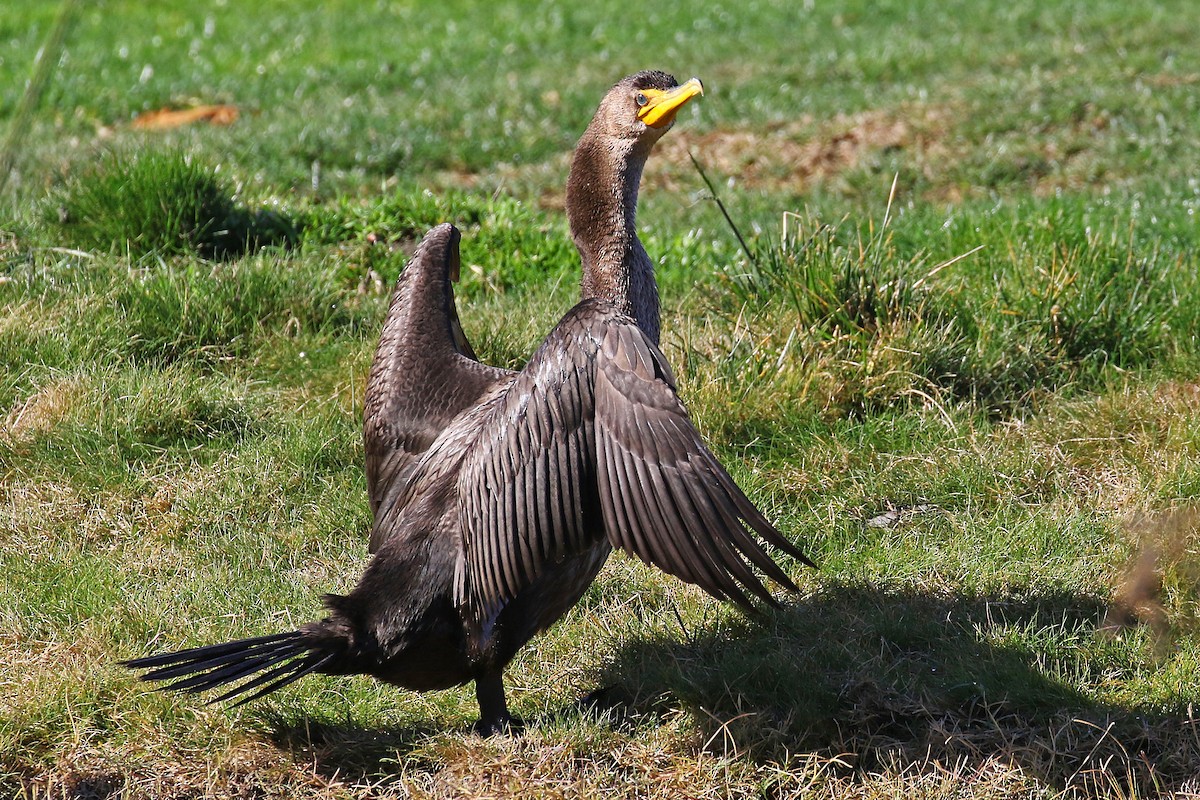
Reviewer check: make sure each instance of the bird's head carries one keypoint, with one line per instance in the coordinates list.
(644, 105)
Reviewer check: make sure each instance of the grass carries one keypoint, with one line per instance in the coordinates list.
(972, 397)
(891, 329)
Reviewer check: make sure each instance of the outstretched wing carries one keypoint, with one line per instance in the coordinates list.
(665, 496)
(591, 442)
(423, 376)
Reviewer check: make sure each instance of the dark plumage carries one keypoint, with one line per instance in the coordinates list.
(497, 495)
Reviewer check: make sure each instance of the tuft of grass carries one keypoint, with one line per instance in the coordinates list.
(158, 202)
(71, 309)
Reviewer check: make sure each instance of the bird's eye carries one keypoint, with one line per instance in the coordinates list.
(640, 99)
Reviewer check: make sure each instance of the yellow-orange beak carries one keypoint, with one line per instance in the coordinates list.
(661, 106)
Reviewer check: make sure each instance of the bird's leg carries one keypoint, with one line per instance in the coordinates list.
(493, 708)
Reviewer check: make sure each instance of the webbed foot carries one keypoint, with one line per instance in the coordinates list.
(509, 725)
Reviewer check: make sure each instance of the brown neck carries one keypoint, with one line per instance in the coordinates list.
(602, 193)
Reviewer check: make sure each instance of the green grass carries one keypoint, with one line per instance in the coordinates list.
(157, 203)
(974, 402)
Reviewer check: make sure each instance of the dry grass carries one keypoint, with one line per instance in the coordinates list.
(984, 753)
(43, 409)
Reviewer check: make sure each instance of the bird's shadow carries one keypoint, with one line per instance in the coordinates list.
(868, 678)
(346, 750)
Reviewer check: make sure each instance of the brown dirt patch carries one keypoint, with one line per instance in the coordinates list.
(792, 156)
(1165, 80)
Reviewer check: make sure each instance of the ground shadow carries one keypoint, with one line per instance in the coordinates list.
(878, 679)
(348, 751)
(244, 230)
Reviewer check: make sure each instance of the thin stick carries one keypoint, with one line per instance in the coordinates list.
(720, 205)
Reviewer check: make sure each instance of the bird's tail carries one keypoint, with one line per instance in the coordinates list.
(265, 663)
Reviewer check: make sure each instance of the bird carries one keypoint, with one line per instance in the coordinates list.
(498, 495)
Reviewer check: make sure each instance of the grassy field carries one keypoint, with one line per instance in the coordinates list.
(970, 394)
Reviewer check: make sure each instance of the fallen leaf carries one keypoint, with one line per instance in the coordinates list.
(167, 118)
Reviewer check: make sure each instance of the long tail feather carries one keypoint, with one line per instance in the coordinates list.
(293, 671)
(275, 660)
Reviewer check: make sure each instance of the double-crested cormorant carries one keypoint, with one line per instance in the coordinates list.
(498, 495)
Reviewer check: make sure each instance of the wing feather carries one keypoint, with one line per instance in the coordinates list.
(641, 539)
(667, 543)
(746, 544)
(719, 552)
(611, 504)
